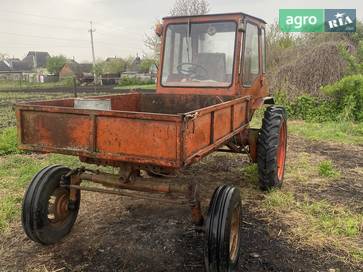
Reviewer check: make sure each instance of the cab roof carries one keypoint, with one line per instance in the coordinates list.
(217, 14)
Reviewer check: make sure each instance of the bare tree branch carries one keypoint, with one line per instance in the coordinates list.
(180, 8)
(189, 7)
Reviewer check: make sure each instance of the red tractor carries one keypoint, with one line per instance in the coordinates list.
(210, 82)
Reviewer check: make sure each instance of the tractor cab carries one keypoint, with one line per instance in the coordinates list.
(221, 54)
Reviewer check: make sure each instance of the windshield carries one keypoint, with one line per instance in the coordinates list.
(199, 54)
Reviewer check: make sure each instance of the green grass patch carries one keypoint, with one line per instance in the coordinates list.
(251, 173)
(319, 222)
(138, 86)
(8, 141)
(279, 199)
(321, 215)
(333, 131)
(9, 208)
(327, 169)
(333, 220)
(19, 84)
(342, 132)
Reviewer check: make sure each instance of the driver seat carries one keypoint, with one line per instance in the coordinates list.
(214, 63)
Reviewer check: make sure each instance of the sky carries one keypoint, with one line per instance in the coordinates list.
(61, 26)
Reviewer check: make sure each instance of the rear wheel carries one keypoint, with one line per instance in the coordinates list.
(47, 214)
(271, 148)
(222, 246)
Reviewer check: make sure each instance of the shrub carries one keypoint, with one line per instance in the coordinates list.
(308, 108)
(129, 81)
(348, 96)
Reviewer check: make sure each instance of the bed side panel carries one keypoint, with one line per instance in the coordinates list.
(197, 134)
(137, 137)
(59, 130)
(212, 127)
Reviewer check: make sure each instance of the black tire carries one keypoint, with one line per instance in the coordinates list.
(223, 230)
(39, 224)
(271, 148)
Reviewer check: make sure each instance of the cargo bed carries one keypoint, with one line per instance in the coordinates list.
(166, 130)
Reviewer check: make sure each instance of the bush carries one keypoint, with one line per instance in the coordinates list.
(348, 97)
(8, 141)
(308, 108)
(342, 100)
(129, 81)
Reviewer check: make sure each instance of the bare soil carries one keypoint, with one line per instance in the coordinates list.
(119, 234)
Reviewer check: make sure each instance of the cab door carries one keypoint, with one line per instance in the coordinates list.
(253, 63)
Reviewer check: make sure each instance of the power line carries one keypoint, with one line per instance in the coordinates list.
(43, 16)
(42, 45)
(62, 39)
(66, 18)
(41, 37)
(39, 24)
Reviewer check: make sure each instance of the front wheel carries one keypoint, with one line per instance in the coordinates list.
(222, 247)
(271, 148)
(47, 214)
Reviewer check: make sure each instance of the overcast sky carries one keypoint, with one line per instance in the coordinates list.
(60, 26)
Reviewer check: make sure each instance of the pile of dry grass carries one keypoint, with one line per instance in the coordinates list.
(307, 69)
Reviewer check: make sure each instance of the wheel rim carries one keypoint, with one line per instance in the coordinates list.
(234, 235)
(281, 151)
(58, 206)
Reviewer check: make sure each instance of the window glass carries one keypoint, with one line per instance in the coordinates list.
(263, 48)
(199, 54)
(250, 60)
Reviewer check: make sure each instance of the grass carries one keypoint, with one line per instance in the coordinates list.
(317, 223)
(327, 169)
(322, 216)
(8, 141)
(140, 87)
(17, 84)
(342, 132)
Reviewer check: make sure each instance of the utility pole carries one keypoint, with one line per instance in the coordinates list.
(91, 30)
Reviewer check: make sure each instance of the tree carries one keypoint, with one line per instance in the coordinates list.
(354, 61)
(114, 66)
(146, 64)
(55, 64)
(189, 7)
(3, 56)
(98, 68)
(152, 41)
(180, 8)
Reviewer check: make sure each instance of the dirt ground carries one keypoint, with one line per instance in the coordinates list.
(119, 234)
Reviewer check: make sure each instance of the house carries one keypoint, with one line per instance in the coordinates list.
(7, 72)
(135, 65)
(37, 59)
(81, 71)
(110, 78)
(5, 66)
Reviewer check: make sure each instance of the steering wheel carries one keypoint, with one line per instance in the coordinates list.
(193, 70)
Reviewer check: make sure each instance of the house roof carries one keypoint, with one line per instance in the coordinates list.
(23, 65)
(79, 68)
(4, 67)
(40, 58)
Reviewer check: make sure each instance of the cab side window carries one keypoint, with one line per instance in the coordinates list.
(251, 67)
(263, 48)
